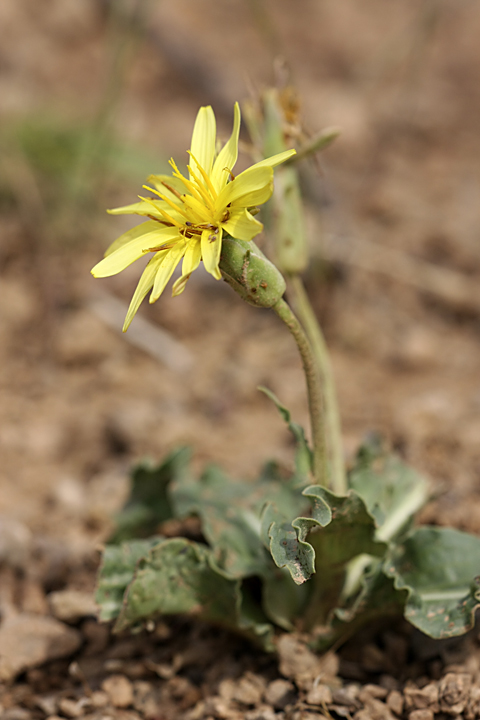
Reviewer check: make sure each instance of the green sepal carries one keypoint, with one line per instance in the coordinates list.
(440, 570)
(246, 269)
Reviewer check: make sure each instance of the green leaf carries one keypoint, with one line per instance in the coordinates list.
(303, 453)
(377, 599)
(149, 503)
(339, 529)
(439, 568)
(392, 491)
(230, 512)
(178, 576)
(116, 572)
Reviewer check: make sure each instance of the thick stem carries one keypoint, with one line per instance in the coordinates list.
(307, 317)
(314, 389)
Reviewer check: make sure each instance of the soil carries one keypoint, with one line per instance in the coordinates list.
(393, 216)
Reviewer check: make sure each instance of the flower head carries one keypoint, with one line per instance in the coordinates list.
(188, 215)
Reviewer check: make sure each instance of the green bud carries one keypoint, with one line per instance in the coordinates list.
(246, 269)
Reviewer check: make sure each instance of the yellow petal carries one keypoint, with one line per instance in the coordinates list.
(252, 187)
(180, 285)
(201, 214)
(138, 208)
(193, 255)
(227, 157)
(275, 160)
(203, 138)
(133, 250)
(145, 284)
(135, 232)
(211, 247)
(165, 271)
(242, 225)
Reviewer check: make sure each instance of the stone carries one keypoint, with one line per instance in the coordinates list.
(27, 641)
(279, 693)
(70, 606)
(300, 664)
(319, 694)
(15, 543)
(71, 708)
(119, 690)
(395, 702)
(424, 714)
(420, 698)
(454, 692)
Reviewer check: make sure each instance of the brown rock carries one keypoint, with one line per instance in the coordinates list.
(420, 698)
(395, 702)
(454, 692)
(424, 714)
(279, 693)
(369, 691)
(71, 708)
(15, 542)
(247, 690)
(319, 694)
(33, 597)
(30, 640)
(72, 605)
(472, 711)
(264, 712)
(119, 690)
(299, 663)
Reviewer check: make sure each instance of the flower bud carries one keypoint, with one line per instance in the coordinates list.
(246, 269)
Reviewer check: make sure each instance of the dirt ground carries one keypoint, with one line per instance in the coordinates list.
(394, 223)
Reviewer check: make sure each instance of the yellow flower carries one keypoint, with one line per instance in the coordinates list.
(187, 216)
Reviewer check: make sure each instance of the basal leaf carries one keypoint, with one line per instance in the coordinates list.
(439, 568)
(392, 491)
(230, 512)
(116, 572)
(378, 598)
(149, 503)
(180, 577)
(339, 528)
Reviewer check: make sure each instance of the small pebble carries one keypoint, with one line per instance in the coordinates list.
(424, 714)
(279, 693)
(395, 702)
(119, 690)
(319, 695)
(70, 708)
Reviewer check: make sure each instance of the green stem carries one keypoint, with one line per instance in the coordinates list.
(307, 317)
(314, 389)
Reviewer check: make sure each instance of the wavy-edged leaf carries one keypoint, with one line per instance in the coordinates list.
(116, 572)
(392, 491)
(377, 599)
(149, 503)
(339, 529)
(179, 576)
(230, 512)
(440, 570)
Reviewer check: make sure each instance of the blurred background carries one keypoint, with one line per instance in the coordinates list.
(94, 96)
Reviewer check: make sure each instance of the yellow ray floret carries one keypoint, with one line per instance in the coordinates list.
(189, 215)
